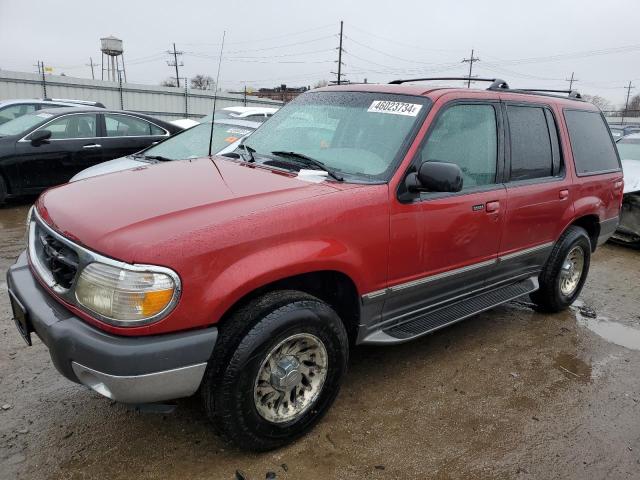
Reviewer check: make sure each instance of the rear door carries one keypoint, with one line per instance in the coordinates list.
(126, 134)
(539, 192)
(73, 146)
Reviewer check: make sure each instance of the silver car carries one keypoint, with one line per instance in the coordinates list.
(190, 143)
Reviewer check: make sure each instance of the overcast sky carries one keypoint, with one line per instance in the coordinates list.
(528, 43)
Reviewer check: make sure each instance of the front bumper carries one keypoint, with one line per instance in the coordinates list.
(126, 369)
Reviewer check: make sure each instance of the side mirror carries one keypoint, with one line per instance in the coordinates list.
(434, 176)
(39, 137)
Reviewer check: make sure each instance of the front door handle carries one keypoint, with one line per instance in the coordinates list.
(93, 145)
(563, 194)
(492, 207)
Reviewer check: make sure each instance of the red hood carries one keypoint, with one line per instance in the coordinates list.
(123, 213)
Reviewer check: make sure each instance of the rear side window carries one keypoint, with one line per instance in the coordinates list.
(128, 126)
(532, 150)
(593, 150)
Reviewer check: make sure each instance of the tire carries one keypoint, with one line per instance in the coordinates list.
(234, 396)
(553, 295)
(3, 190)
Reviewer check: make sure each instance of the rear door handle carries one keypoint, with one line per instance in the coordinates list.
(93, 145)
(492, 207)
(563, 194)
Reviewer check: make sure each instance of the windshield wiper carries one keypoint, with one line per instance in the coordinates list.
(160, 158)
(249, 150)
(310, 162)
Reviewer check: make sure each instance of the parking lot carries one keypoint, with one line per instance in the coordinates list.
(508, 394)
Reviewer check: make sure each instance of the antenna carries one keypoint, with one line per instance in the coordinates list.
(215, 95)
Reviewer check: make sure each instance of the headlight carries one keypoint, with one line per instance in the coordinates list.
(125, 297)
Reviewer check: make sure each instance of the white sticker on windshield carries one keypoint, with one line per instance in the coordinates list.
(395, 108)
(44, 115)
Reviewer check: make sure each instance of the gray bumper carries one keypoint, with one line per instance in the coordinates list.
(126, 369)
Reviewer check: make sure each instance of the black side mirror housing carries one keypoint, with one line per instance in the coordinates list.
(434, 176)
(39, 137)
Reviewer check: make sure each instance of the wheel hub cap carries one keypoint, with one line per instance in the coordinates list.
(290, 378)
(571, 272)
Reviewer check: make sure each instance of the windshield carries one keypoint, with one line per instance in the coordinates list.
(629, 149)
(194, 142)
(360, 134)
(23, 123)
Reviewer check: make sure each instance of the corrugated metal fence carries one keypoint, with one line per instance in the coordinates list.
(167, 103)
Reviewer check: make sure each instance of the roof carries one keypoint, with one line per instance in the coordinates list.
(435, 92)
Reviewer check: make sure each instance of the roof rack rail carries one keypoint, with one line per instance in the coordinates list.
(570, 93)
(496, 83)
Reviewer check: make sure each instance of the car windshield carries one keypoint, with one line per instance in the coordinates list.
(358, 134)
(629, 149)
(194, 142)
(23, 123)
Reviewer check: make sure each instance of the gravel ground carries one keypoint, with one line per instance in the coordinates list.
(508, 394)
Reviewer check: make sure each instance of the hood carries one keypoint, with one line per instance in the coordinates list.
(111, 166)
(631, 170)
(128, 212)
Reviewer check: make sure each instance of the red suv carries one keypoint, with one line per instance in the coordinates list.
(359, 214)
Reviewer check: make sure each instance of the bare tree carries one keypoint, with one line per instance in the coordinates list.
(202, 82)
(633, 109)
(169, 82)
(321, 83)
(600, 102)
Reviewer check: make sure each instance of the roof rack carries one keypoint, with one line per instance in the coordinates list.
(497, 84)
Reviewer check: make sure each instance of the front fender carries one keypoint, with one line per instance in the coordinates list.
(279, 262)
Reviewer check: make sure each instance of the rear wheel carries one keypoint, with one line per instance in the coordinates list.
(276, 369)
(565, 272)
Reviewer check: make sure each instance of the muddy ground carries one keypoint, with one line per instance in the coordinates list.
(509, 394)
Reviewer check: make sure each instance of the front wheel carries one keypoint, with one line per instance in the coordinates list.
(565, 272)
(282, 372)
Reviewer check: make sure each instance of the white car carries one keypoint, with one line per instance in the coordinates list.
(255, 114)
(629, 227)
(190, 143)
(12, 109)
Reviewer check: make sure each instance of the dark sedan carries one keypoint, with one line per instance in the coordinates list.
(48, 147)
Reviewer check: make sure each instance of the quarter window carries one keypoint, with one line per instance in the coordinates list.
(593, 150)
(531, 146)
(72, 126)
(127, 126)
(467, 136)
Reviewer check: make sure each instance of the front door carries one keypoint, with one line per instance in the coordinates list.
(73, 146)
(443, 245)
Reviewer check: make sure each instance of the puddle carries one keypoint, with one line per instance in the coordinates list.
(572, 367)
(614, 332)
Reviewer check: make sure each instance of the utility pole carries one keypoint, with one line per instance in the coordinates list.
(44, 81)
(340, 64)
(571, 81)
(38, 65)
(626, 105)
(91, 64)
(174, 62)
(470, 62)
(245, 96)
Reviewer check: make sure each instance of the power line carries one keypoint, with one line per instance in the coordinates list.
(260, 40)
(470, 61)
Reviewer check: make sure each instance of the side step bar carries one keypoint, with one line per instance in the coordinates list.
(448, 314)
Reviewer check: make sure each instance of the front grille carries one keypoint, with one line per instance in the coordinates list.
(60, 260)
(55, 260)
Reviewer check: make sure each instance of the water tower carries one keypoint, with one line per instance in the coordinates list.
(111, 48)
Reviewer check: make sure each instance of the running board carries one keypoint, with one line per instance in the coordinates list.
(448, 314)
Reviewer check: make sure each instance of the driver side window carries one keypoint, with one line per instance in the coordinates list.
(467, 136)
